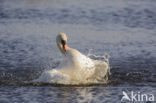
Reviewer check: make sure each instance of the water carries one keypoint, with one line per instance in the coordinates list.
(124, 29)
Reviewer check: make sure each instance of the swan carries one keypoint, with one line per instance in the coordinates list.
(77, 67)
(80, 66)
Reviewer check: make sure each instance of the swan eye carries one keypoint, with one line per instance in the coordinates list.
(63, 42)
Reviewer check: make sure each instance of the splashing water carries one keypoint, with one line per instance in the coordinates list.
(68, 75)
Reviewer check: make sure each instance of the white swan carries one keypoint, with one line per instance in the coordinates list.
(80, 66)
(77, 67)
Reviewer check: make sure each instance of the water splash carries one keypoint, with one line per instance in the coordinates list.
(68, 75)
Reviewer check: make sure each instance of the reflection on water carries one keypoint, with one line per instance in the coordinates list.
(60, 94)
(68, 95)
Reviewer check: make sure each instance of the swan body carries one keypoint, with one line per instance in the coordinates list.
(78, 59)
(81, 67)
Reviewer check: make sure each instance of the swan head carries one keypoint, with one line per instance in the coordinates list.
(61, 41)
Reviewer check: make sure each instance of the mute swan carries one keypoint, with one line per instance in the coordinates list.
(77, 67)
(80, 65)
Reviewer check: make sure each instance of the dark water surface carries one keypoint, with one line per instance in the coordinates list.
(124, 29)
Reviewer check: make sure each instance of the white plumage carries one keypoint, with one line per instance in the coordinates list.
(80, 65)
